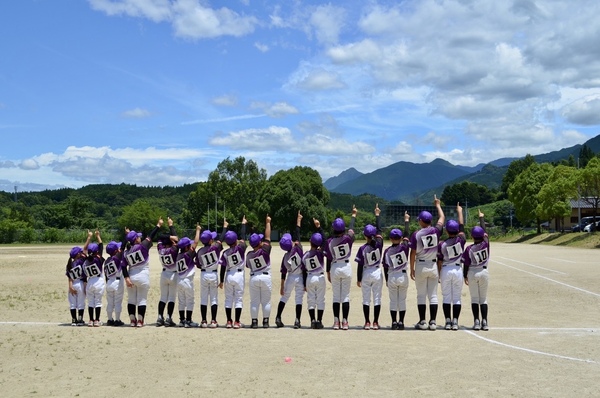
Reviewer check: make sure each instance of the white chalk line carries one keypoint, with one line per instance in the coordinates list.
(514, 347)
(548, 279)
(534, 266)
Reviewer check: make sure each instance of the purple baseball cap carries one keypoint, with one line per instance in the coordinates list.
(369, 231)
(113, 247)
(316, 239)
(395, 234)
(184, 242)
(338, 225)
(93, 248)
(425, 216)
(75, 251)
(132, 236)
(230, 237)
(286, 242)
(452, 226)
(477, 232)
(255, 239)
(207, 236)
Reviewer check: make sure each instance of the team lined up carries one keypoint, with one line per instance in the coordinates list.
(422, 255)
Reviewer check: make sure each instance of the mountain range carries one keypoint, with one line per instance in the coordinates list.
(406, 181)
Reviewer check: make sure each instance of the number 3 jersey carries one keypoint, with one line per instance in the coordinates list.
(425, 242)
(395, 257)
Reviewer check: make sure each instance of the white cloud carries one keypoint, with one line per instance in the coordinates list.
(584, 111)
(29, 164)
(225, 100)
(269, 139)
(320, 79)
(136, 113)
(263, 48)
(327, 21)
(276, 110)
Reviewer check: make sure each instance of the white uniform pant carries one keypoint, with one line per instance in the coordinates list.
(168, 286)
(398, 289)
(426, 281)
(115, 289)
(138, 294)
(185, 293)
(209, 288)
(95, 291)
(371, 285)
(77, 300)
(341, 279)
(452, 283)
(293, 281)
(315, 291)
(260, 294)
(478, 285)
(234, 289)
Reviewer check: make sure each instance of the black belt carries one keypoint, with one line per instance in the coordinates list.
(458, 265)
(203, 270)
(422, 261)
(485, 267)
(118, 278)
(258, 273)
(164, 269)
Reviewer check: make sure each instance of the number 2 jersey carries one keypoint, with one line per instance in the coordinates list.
(425, 242)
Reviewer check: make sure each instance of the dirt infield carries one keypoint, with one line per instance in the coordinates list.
(544, 340)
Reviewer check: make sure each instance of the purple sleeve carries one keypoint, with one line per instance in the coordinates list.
(412, 243)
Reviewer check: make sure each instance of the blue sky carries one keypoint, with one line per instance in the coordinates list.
(158, 92)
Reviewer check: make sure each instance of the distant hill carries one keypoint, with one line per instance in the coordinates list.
(346, 175)
(402, 178)
(408, 182)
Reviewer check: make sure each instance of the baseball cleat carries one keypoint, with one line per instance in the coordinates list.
(191, 324)
(169, 322)
(400, 326)
(110, 322)
(97, 324)
(80, 322)
(375, 326)
(73, 322)
(394, 325)
(336, 324)
(313, 324)
(367, 326)
(320, 325)
(214, 324)
(421, 325)
(140, 323)
(160, 321)
(181, 323)
(91, 323)
(254, 324)
(133, 323)
(344, 324)
(448, 325)
(477, 325)
(237, 325)
(455, 324)
(265, 323)
(297, 324)
(432, 325)
(278, 322)
(484, 325)
(119, 322)
(229, 325)
(203, 324)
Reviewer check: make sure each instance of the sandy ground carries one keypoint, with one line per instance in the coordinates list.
(544, 340)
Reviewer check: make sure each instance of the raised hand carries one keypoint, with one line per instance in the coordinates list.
(244, 221)
(170, 221)
(406, 216)
(480, 213)
(317, 223)
(377, 210)
(225, 223)
(436, 201)
(268, 219)
(354, 211)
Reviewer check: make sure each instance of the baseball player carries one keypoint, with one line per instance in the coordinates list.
(115, 272)
(313, 267)
(339, 272)
(137, 256)
(395, 262)
(207, 259)
(423, 264)
(476, 260)
(94, 272)
(368, 275)
(259, 262)
(450, 268)
(77, 280)
(232, 273)
(169, 278)
(186, 268)
(291, 274)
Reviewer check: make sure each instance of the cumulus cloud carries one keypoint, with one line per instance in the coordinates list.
(327, 22)
(136, 113)
(263, 48)
(320, 79)
(7, 164)
(276, 110)
(189, 18)
(585, 111)
(29, 164)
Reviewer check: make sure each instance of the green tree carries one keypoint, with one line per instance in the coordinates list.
(140, 216)
(585, 155)
(523, 192)
(515, 168)
(289, 191)
(589, 184)
(553, 197)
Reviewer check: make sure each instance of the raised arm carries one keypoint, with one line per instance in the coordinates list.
(268, 228)
(441, 216)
